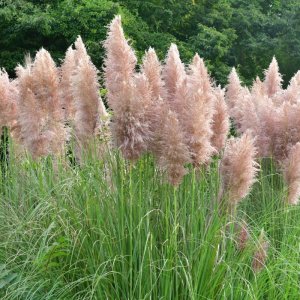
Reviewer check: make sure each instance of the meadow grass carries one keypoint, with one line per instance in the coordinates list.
(111, 229)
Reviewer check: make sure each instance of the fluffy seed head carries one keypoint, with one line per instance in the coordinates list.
(238, 168)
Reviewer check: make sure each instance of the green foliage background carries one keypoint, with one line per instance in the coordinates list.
(227, 33)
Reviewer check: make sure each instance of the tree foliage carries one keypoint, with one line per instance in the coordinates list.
(226, 33)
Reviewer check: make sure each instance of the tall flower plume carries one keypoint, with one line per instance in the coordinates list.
(89, 107)
(8, 102)
(197, 113)
(233, 89)
(174, 152)
(41, 118)
(173, 74)
(221, 123)
(238, 169)
(273, 79)
(120, 62)
(235, 97)
(67, 71)
(125, 95)
(152, 69)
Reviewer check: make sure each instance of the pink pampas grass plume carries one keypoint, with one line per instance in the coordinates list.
(220, 126)
(273, 79)
(120, 62)
(129, 95)
(292, 93)
(131, 126)
(41, 119)
(8, 101)
(291, 172)
(261, 254)
(297, 77)
(257, 88)
(196, 112)
(233, 89)
(81, 52)
(174, 153)
(235, 97)
(30, 114)
(67, 71)
(173, 73)
(46, 88)
(238, 169)
(88, 108)
(199, 77)
(152, 69)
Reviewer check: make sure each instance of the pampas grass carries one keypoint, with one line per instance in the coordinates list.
(106, 228)
(238, 169)
(8, 102)
(41, 117)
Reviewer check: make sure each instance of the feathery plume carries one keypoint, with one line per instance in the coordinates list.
(273, 79)
(152, 69)
(257, 88)
(174, 153)
(131, 128)
(238, 169)
(292, 93)
(196, 116)
(233, 89)
(46, 88)
(221, 124)
(235, 96)
(261, 253)
(291, 174)
(8, 101)
(199, 77)
(297, 77)
(173, 73)
(129, 95)
(120, 62)
(41, 118)
(81, 52)
(67, 71)
(85, 88)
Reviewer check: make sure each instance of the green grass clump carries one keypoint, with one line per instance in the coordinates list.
(110, 229)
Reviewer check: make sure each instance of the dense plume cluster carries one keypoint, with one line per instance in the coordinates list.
(55, 104)
(271, 113)
(173, 111)
(170, 110)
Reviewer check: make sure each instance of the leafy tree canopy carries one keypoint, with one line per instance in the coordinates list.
(226, 33)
